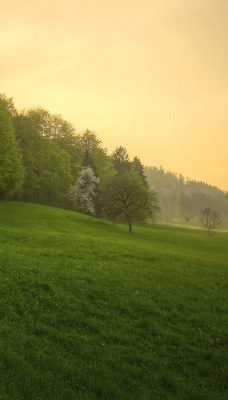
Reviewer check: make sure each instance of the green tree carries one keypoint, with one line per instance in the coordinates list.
(126, 195)
(32, 146)
(96, 157)
(60, 131)
(120, 159)
(8, 104)
(11, 167)
(54, 174)
(138, 166)
(48, 167)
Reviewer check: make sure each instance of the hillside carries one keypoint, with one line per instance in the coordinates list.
(182, 199)
(91, 312)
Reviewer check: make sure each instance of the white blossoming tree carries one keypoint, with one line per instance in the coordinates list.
(83, 193)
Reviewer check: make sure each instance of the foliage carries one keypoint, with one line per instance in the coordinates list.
(11, 167)
(127, 195)
(47, 165)
(138, 166)
(83, 193)
(8, 104)
(210, 220)
(53, 155)
(120, 159)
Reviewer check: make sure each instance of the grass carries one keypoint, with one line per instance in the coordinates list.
(88, 311)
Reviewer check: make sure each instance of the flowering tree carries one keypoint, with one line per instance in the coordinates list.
(83, 193)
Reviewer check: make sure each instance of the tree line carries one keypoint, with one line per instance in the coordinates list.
(44, 160)
(182, 200)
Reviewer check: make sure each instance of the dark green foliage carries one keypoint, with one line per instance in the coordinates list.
(11, 168)
(8, 104)
(88, 312)
(48, 167)
(137, 165)
(127, 195)
(120, 159)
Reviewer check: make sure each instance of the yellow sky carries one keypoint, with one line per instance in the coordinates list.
(148, 75)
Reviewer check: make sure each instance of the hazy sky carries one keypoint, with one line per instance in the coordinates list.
(148, 75)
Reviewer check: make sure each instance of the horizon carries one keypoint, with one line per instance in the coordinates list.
(150, 77)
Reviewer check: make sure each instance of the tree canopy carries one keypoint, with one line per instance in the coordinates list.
(11, 167)
(42, 154)
(127, 195)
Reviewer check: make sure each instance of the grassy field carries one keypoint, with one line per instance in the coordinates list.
(88, 311)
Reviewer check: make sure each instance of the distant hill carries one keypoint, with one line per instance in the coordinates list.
(182, 199)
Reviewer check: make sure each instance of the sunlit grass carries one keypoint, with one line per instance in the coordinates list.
(88, 311)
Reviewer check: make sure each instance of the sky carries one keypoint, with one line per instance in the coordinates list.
(151, 76)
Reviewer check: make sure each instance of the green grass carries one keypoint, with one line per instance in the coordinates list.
(88, 311)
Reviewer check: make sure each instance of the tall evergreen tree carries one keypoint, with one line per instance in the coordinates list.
(120, 159)
(140, 169)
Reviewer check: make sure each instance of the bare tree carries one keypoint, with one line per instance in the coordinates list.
(210, 220)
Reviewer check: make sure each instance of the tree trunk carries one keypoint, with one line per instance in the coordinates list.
(129, 224)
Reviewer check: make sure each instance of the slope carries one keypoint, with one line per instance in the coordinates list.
(91, 312)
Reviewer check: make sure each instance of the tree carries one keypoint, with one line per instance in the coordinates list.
(120, 159)
(52, 127)
(139, 168)
(11, 167)
(54, 174)
(8, 104)
(48, 168)
(97, 158)
(210, 220)
(83, 193)
(126, 195)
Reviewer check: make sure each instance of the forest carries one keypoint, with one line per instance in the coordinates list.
(43, 159)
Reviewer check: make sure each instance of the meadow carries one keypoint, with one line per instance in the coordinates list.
(89, 312)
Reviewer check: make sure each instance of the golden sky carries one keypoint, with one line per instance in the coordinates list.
(150, 75)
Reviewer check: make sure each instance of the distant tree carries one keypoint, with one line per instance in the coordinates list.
(91, 148)
(140, 169)
(8, 104)
(44, 125)
(126, 195)
(83, 193)
(120, 159)
(210, 220)
(88, 141)
(48, 169)
(54, 174)
(11, 166)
